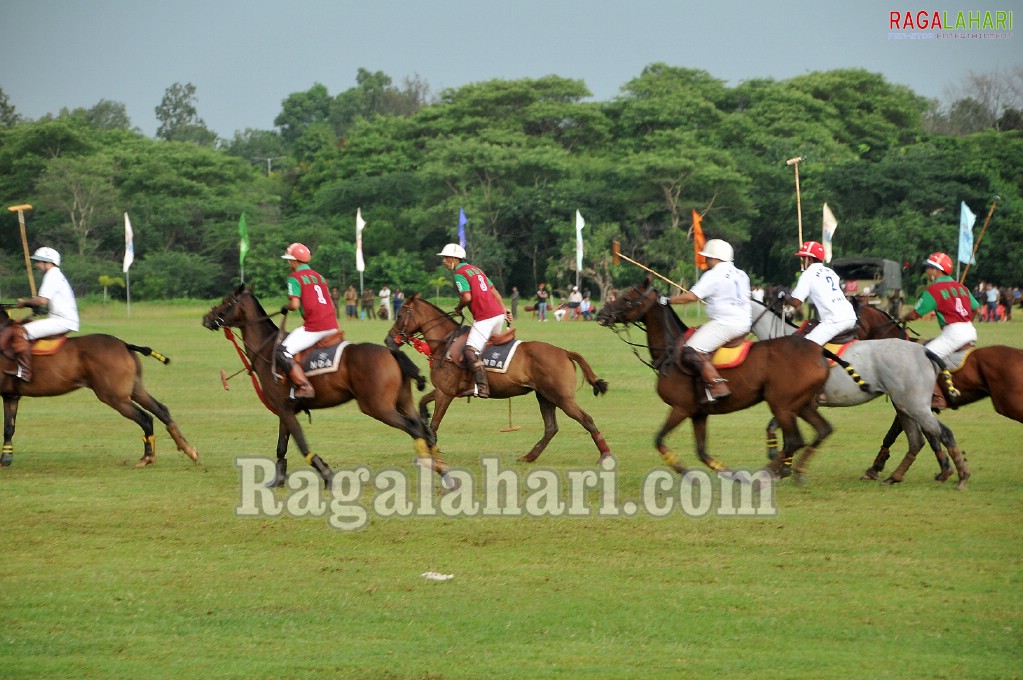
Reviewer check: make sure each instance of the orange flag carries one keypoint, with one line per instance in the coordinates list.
(699, 240)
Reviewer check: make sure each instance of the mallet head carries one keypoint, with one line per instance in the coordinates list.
(616, 251)
(20, 208)
(793, 161)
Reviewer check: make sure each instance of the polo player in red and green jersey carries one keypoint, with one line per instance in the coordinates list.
(307, 291)
(476, 291)
(954, 306)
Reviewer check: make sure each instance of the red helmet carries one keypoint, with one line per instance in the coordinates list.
(297, 251)
(812, 249)
(940, 261)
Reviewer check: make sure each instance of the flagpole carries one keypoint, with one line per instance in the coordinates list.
(979, 238)
(127, 287)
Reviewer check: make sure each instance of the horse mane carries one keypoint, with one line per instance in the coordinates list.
(263, 316)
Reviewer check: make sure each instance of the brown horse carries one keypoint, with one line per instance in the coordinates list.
(995, 371)
(787, 373)
(537, 367)
(378, 379)
(109, 367)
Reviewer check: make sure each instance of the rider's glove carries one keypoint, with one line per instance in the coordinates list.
(285, 310)
(664, 300)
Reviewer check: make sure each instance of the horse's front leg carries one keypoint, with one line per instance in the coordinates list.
(289, 421)
(793, 441)
(675, 417)
(874, 471)
(771, 435)
(700, 434)
(10, 416)
(281, 466)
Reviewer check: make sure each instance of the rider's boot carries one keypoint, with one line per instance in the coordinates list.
(479, 375)
(700, 362)
(15, 340)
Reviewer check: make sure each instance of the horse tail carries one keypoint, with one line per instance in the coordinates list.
(828, 354)
(948, 389)
(409, 369)
(148, 352)
(599, 386)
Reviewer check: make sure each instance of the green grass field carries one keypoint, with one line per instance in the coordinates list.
(111, 572)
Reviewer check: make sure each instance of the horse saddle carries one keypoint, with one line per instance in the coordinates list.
(324, 356)
(838, 348)
(496, 355)
(958, 358)
(50, 345)
(729, 355)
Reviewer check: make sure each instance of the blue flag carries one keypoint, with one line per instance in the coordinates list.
(966, 222)
(462, 221)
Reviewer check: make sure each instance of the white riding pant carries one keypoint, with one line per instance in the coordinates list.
(481, 331)
(713, 334)
(826, 330)
(953, 336)
(44, 328)
(300, 339)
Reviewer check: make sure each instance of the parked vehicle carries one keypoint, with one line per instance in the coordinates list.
(873, 280)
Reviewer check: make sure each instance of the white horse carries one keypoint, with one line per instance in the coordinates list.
(905, 371)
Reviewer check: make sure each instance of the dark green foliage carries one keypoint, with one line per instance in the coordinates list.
(520, 157)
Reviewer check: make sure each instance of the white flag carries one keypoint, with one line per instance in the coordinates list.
(579, 224)
(360, 224)
(129, 244)
(830, 224)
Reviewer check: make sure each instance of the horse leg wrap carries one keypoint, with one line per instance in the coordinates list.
(150, 443)
(422, 450)
(947, 377)
(602, 446)
(309, 457)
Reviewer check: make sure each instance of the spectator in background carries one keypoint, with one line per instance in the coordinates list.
(351, 302)
(991, 296)
(542, 296)
(399, 300)
(514, 297)
(575, 299)
(369, 301)
(586, 308)
(385, 301)
(335, 296)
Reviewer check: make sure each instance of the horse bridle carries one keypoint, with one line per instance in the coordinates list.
(401, 334)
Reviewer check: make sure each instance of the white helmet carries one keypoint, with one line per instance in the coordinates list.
(718, 249)
(453, 250)
(47, 255)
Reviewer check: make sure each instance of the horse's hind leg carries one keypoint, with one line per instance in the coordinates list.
(874, 471)
(823, 429)
(10, 418)
(915, 437)
(700, 433)
(675, 418)
(134, 412)
(550, 428)
(771, 437)
(140, 396)
(576, 413)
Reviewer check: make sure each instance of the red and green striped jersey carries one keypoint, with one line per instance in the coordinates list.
(950, 299)
(472, 279)
(317, 308)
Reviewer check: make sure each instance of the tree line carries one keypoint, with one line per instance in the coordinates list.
(520, 157)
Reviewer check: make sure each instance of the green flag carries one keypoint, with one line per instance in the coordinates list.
(243, 243)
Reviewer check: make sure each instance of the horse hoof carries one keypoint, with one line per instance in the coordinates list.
(891, 481)
(145, 461)
(962, 482)
(871, 475)
(6, 459)
(800, 479)
(943, 476)
(276, 483)
(526, 458)
(451, 483)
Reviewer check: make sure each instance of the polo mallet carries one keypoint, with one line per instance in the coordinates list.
(510, 428)
(20, 209)
(794, 162)
(616, 252)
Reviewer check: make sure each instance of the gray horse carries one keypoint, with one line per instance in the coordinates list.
(905, 371)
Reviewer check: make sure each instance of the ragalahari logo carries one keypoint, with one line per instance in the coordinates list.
(925, 24)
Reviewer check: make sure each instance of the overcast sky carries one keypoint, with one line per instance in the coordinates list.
(245, 57)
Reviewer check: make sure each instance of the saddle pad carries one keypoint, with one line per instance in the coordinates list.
(323, 359)
(837, 350)
(957, 360)
(730, 357)
(497, 358)
(45, 346)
